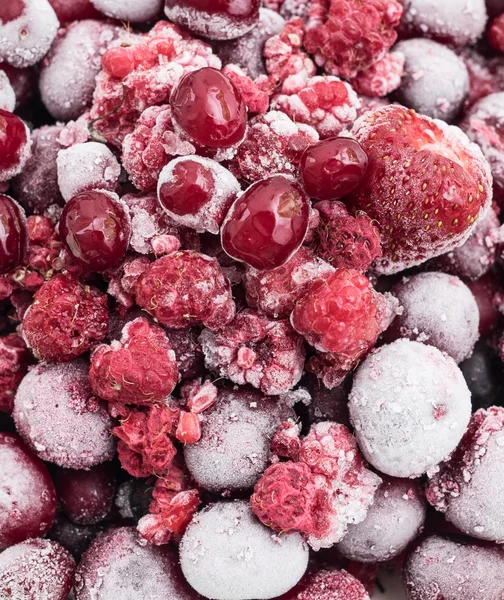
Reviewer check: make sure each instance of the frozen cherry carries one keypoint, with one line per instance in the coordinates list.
(14, 145)
(95, 228)
(208, 107)
(267, 224)
(13, 233)
(332, 168)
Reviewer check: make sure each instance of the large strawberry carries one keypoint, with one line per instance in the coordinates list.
(426, 185)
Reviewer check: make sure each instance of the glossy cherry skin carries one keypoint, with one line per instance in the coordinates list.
(13, 137)
(208, 107)
(13, 234)
(190, 188)
(95, 228)
(332, 168)
(267, 223)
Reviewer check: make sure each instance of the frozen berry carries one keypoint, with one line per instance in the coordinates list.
(427, 410)
(66, 319)
(468, 486)
(74, 10)
(36, 570)
(118, 563)
(256, 94)
(483, 372)
(74, 538)
(495, 34)
(437, 309)
(395, 518)
(209, 109)
(382, 77)
(14, 358)
(95, 228)
(27, 495)
(255, 350)
(449, 569)
(227, 554)
(234, 448)
(27, 30)
(7, 94)
(328, 585)
(60, 393)
(214, 19)
(428, 63)
(13, 234)
(267, 223)
(134, 11)
(186, 288)
(140, 368)
(488, 293)
(426, 185)
(86, 496)
(197, 192)
(15, 145)
(332, 168)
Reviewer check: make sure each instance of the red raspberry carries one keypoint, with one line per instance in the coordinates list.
(151, 145)
(350, 35)
(273, 144)
(345, 241)
(138, 369)
(66, 319)
(255, 97)
(328, 585)
(13, 366)
(255, 350)
(285, 442)
(184, 289)
(326, 103)
(123, 280)
(425, 185)
(275, 292)
(382, 77)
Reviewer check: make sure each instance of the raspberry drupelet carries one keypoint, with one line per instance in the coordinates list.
(13, 234)
(66, 319)
(139, 368)
(328, 585)
(15, 145)
(184, 289)
(14, 358)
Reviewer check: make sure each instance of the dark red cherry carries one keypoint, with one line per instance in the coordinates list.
(11, 9)
(95, 228)
(332, 168)
(267, 223)
(13, 140)
(208, 107)
(13, 233)
(189, 189)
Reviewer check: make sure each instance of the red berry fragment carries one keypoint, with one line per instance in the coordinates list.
(184, 289)
(189, 428)
(66, 319)
(209, 109)
(328, 585)
(27, 495)
(95, 228)
(13, 365)
(255, 94)
(14, 145)
(138, 369)
(13, 234)
(267, 224)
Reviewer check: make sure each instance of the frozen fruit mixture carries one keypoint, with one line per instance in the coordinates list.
(251, 299)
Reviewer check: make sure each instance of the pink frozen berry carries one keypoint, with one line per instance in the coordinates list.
(382, 77)
(255, 94)
(134, 11)
(328, 585)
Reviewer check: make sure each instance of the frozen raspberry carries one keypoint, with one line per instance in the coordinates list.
(134, 11)
(138, 369)
(467, 487)
(234, 448)
(123, 280)
(13, 365)
(255, 97)
(382, 77)
(142, 73)
(197, 192)
(68, 73)
(427, 410)
(454, 23)
(13, 233)
(252, 562)
(328, 104)
(74, 10)
(257, 351)
(274, 144)
(275, 292)
(425, 185)
(328, 585)
(59, 393)
(27, 30)
(214, 19)
(67, 318)
(184, 289)
(15, 145)
(87, 166)
(86, 497)
(27, 495)
(368, 104)
(36, 569)
(118, 563)
(444, 568)
(7, 94)
(348, 39)
(247, 50)
(428, 63)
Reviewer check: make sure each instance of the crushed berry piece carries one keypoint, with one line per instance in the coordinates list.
(256, 98)
(188, 428)
(382, 77)
(199, 397)
(13, 366)
(123, 280)
(138, 369)
(255, 350)
(15, 145)
(285, 442)
(184, 289)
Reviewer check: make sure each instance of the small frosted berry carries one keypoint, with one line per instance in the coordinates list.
(15, 145)
(13, 366)
(382, 77)
(13, 234)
